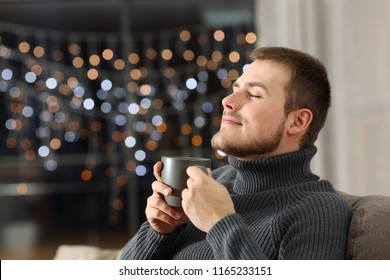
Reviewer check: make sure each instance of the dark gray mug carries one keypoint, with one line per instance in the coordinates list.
(174, 174)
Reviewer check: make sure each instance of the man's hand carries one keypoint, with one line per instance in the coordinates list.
(205, 202)
(162, 217)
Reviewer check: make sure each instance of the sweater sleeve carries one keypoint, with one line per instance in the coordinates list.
(316, 230)
(230, 239)
(150, 244)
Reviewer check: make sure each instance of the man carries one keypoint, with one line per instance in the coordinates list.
(266, 203)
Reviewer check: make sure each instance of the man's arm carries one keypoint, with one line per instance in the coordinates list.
(150, 244)
(230, 239)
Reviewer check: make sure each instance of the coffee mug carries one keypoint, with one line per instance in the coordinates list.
(174, 174)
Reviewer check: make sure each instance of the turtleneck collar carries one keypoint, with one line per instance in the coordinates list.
(273, 172)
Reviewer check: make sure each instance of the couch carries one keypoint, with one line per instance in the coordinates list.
(369, 231)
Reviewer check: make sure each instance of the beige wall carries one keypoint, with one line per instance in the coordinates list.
(352, 38)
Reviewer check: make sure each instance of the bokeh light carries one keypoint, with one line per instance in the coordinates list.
(70, 95)
(107, 54)
(251, 37)
(167, 54)
(7, 74)
(185, 35)
(141, 170)
(39, 51)
(130, 141)
(24, 47)
(219, 35)
(94, 60)
(133, 58)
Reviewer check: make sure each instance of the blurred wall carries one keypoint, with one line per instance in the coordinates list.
(352, 39)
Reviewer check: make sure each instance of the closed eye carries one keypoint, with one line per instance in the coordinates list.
(255, 96)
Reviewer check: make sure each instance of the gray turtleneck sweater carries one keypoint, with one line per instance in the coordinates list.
(283, 211)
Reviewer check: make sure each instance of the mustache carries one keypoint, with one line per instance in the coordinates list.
(234, 116)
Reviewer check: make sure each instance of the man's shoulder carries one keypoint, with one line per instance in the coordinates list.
(312, 194)
(322, 197)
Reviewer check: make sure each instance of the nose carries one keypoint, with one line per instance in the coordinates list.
(231, 102)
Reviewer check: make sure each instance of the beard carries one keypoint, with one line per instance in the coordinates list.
(248, 146)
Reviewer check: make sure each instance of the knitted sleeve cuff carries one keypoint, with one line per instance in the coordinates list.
(150, 244)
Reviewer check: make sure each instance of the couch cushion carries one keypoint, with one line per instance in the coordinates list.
(86, 252)
(369, 232)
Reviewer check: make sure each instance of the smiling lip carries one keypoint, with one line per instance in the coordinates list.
(230, 120)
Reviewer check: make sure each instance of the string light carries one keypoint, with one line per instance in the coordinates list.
(117, 204)
(36, 69)
(151, 54)
(119, 64)
(133, 102)
(135, 74)
(30, 155)
(133, 58)
(251, 38)
(196, 140)
(22, 189)
(219, 35)
(188, 55)
(7, 74)
(233, 74)
(234, 57)
(185, 35)
(162, 127)
(94, 60)
(240, 39)
(58, 55)
(107, 54)
(216, 56)
(201, 61)
(86, 175)
(166, 54)
(151, 145)
(93, 74)
(24, 47)
(74, 49)
(4, 51)
(55, 143)
(39, 51)
(78, 62)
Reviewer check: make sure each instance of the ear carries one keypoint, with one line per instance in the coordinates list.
(299, 121)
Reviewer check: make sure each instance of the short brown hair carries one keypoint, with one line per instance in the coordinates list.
(308, 86)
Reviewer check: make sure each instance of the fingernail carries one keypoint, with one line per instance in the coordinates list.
(166, 191)
(178, 215)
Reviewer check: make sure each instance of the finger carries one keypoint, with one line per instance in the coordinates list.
(157, 167)
(193, 171)
(157, 208)
(154, 215)
(161, 189)
(190, 183)
(184, 193)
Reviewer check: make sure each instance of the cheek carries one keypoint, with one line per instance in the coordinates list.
(264, 125)
(265, 114)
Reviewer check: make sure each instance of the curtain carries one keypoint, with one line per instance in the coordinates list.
(352, 39)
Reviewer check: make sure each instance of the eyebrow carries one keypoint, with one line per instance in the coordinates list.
(253, 84)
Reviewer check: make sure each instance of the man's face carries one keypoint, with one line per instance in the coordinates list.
(253, 120)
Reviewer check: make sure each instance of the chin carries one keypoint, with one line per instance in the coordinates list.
(217, 142)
